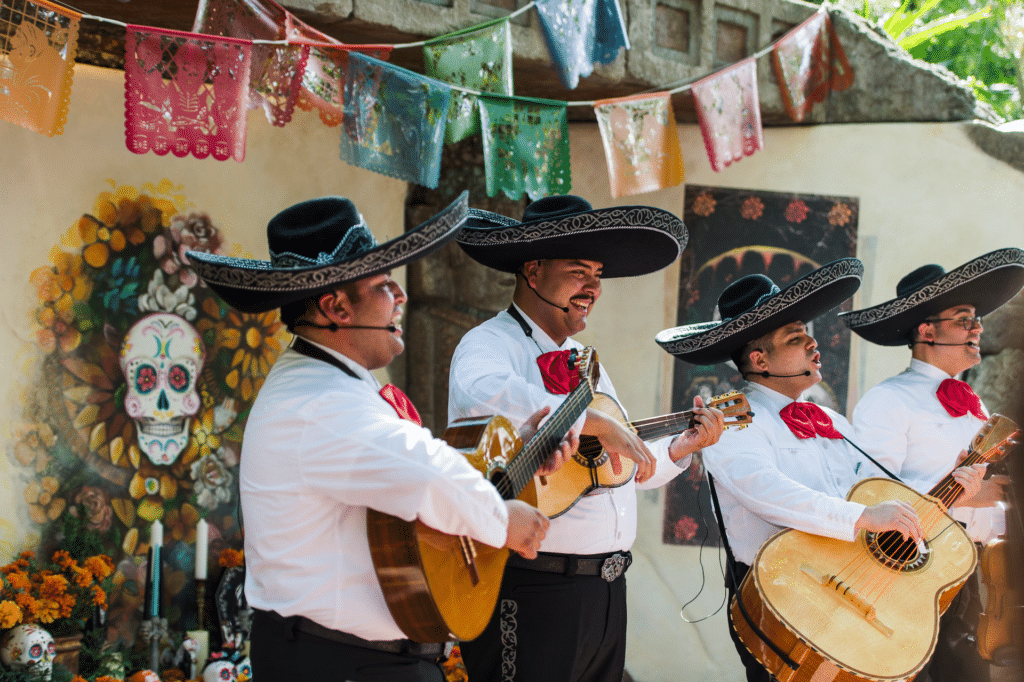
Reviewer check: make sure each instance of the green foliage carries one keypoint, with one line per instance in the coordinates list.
(978, 40)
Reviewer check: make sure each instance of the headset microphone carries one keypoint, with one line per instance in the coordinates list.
(936, 343)
(564, 309)
(778, 376)
(335, 327)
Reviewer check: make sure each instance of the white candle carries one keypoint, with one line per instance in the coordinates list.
(156, 534)
(202, 545)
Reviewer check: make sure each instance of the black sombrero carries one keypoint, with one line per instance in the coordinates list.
(315, 246)
(626, 240)
(753, 306)
(986, 282)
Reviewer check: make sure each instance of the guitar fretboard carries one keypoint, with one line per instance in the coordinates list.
(521, 470)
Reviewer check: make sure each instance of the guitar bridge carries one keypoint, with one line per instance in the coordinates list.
(849, 596)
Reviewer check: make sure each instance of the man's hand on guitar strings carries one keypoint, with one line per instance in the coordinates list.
(894, 515)
(620, 442)
(527, 527)
(708, 426)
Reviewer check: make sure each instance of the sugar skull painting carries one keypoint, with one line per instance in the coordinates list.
(143, 387)
(161, 359)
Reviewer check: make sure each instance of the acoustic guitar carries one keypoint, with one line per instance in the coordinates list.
(591, 468)
(440, 587)
(867, 609)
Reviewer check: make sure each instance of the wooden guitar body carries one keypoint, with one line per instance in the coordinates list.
(432, 592)
(873, 621)
(1001, 624)
(590, 468)
(867, 609)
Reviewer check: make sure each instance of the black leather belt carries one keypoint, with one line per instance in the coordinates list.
(430, 651)
(608, 566)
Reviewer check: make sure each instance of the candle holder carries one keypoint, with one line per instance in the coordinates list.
(201, 604)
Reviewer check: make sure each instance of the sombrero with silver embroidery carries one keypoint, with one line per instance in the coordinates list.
(315, 246)
(626, 240)
(753, 306)
(986, 282)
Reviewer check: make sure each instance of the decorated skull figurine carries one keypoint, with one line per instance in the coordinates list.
(244, 670)
(222, 670)
(161, 357)
(28, 647)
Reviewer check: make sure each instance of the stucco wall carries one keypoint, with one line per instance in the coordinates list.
(926, 195)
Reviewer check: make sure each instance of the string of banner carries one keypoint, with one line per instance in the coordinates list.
(188, 93)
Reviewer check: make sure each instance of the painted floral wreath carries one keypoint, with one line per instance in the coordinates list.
(147, 379)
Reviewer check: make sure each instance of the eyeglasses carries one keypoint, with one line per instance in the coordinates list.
(968, 323)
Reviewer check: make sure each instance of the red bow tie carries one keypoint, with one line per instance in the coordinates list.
(807, 420)
(559, 378)
(958, 398)
(400, 401)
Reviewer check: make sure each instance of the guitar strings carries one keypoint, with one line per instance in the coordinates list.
(876, 582)
(532, 449)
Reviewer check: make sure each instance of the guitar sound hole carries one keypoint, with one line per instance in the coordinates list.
(893, 551)
(499, 478)
(590, 453)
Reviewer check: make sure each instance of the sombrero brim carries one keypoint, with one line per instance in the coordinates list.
(708, 343)
(626, 240)
(256, 286)
(987, 282)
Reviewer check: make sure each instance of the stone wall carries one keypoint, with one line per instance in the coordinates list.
(449, 293)
(999, 378)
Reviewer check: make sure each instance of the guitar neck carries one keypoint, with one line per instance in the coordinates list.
(522, 468)
(665, 425)
(948, 491)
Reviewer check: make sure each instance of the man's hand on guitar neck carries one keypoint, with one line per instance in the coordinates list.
(560, 456)
(894, 515)
(619, 442)
(708, 424)
(978, 492)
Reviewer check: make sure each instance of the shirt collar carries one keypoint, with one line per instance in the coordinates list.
(360, 371)
(543, 340)
(771, 397)
(928, 370)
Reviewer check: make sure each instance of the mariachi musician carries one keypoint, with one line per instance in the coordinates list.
(919, 422)
(793, 466)
(562, 616)
(325, 442)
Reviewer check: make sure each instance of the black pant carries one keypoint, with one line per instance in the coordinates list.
(551, 628)
(755, 671)
(279, 653)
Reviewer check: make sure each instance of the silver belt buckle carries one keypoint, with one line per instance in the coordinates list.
(613, 567)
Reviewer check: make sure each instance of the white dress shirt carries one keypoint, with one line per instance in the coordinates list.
(494, 371)
(769, 480)
(901, 423)
(320, 448)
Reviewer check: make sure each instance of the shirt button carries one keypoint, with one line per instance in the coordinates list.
(619, 535)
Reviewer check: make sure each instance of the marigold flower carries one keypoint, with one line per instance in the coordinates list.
(99, 597)
(47, 610)
(18, 580)
(63, 559)
(231, 558)
(100, 565)
(83, 576)
(53, 586)
(10, 614)
(796, 211)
